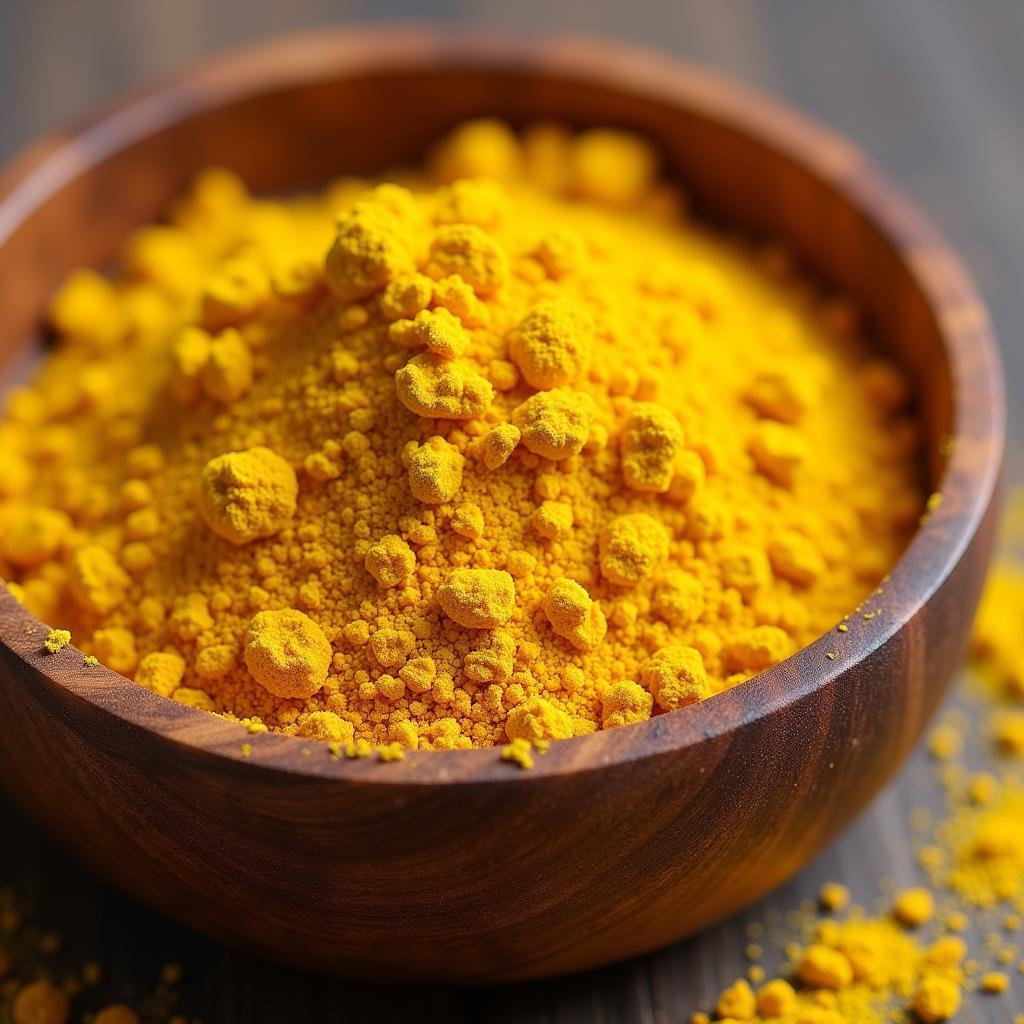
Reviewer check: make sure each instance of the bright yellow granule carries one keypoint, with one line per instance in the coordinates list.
(822, 967)
(390, 561)
(287, 653)
(552, 344)
(834, 897)
(33, 535)
(631, 547)
(936, 999)
(676, 677)
(247, 495)
(738, 1001)
(519, 751)
(478, 598)
(161, 672)
(994, 982)
(435, 330)
(625, 703)
(56, 640)
(430, 385)
(96, 580)
(435, 470)
(914, 907)
(652, 440)
(574, 615)
(554, 424)
(776, 998)
(526, 453)
(538, 719)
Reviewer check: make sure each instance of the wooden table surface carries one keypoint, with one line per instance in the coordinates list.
(932, 89)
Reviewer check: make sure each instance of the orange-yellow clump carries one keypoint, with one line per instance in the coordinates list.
(914, 907)
(574, 615)
(936, 999)
(478, 598)
(287, 653)
(435, 470)
(247, 495)
(538, 719)
(509, 452)
(390, 560)
(631, 547)
(552, 344)
(430, 385)
(823, 967)
(651, 441)
(554, 424)
(625, 703)
(676, 677)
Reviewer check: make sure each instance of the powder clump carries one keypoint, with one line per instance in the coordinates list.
(506, 453)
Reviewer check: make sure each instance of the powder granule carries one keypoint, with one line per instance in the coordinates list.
(574, 615)
(478, 598)
(914, 907)
(56, 640)
(504, 444)
(247, 495)
(651, 442)
(161, 672)
(287, 653)
(936, 999)
(552, 345)
(676, 677)
(538, 719)
(554, 424)
(432, 386)
(737, 1001)
(630, 548)
(624, 704)
(822, 967)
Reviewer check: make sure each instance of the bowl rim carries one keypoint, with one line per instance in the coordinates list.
(44, 167)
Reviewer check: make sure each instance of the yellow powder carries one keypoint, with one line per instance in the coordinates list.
(981, 850)
(834, 896)
(511, 451)
(994, 982)
(914, 907)
(860, 970)
(936, 999)
(56, 640)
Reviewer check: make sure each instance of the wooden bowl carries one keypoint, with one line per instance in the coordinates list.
(457, 866)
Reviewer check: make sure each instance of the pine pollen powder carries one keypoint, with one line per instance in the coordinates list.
(507, 448)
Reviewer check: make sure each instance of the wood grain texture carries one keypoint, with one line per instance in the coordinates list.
(284, 850)
(929, 88)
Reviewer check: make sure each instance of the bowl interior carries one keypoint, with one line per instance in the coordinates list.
(360, 121)
(310, 109)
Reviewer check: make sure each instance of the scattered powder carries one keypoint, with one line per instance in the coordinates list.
(910, 963)
(38, 985)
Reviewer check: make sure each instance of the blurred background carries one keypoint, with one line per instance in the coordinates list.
(932, 89)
